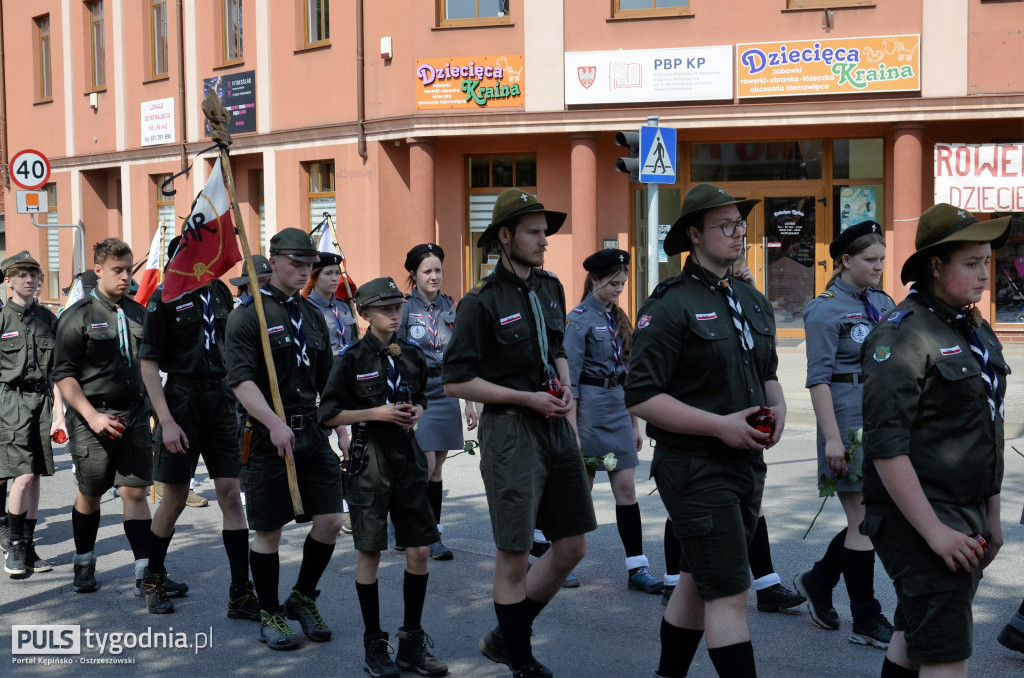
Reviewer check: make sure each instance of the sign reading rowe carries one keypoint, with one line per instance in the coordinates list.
(980, 177)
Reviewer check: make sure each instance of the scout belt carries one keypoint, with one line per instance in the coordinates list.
(205, 384)
(602, 382)
(850, 378)
(28, 387)
(298, 422)
(433, 372)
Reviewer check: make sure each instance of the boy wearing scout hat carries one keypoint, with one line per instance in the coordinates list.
(302, 361)
(704, 361)
(27, 332)
(378, 385)
(262, 266)
(507, 353)
(935, 379)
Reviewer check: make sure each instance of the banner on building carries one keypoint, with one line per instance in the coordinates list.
(470, 83)
(890, 63)
(237, 92)
(157, 122)
(648, 75)
(980, 177)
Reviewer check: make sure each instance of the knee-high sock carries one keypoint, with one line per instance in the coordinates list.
(827, 570)
(627, 519)
(316, 555)
(369, 606)
(678, 645)
(760, 553)
(414, 591)
(435, 493)
(734, 661)
(859, 574)
(138, 532)
(85, 527)
(266, 577)
(158, 551)
(236, 544)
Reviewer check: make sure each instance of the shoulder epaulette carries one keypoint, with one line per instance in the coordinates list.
(664, 286)
(246, 300)
(881, 291)
(582, 308)
(407, 296)
(447, 296)
(346, 347)
(482, 283)
(827, 294)
(896, 317)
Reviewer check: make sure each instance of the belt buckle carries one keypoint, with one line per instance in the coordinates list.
(296, 422)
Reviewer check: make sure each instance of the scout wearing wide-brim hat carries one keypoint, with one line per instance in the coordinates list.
(378, 292)
(262, 266)
(295, 244)
(20, 260)
(513, 204)
(698, 200)
(943, 223)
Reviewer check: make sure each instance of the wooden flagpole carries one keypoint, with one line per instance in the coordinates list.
(218, 116)
(344, 278)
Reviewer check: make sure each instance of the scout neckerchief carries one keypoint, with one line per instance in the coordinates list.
(124, 338)
(613, 327)
(394, 378)
(435, 341)
(339, 324)
(301, 357)
(874, 315)
(970, 320)
(738, 319)
(208, 327)
(542, 334)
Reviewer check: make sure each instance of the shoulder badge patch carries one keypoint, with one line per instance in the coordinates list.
(827, 294)
(643, 321)
(897, 317)
(580, 309)
(882, 353)
(151, 306)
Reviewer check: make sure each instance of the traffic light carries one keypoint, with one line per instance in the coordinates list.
(630, 165)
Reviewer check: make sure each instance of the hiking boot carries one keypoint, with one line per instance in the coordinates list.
(346, 523)
(819, 600)
(1012, 635)
(438, 551)
(494, 648)
(414, 656)
(33, 563)
(195, 501)
(276, 633)
(777, 597)
(174, 589)
(157, 601)
(643, 580)
(377, 661)
(242, 602)
(876, 631)
(571, 582)
(14, 559)
(666, 594)
(532, 670)
(302, 608)
(85, 573)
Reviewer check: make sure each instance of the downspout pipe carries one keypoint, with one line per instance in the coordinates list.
(360, 82)
(182, 109)
(3, 104)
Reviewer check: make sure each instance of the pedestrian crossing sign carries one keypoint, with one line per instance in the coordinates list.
(658, 155)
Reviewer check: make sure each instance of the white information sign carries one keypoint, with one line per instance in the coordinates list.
(158, 122)
(32, 202)
(980, 177)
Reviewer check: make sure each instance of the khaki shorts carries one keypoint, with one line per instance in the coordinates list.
(532, 467)
(102, 463)
(207, 418)
(393, 480)
(713, 503)
(25, 433)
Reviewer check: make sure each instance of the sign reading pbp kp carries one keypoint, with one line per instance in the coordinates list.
(30, 169)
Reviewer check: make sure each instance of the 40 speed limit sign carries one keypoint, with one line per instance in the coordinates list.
(30, 169)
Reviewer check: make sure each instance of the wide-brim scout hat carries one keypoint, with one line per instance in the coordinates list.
(698, 200)
(295, 244)
(944, 223)
(839, 246)
(262, 266)
(378, 292)
(20, 260)
(513, 204)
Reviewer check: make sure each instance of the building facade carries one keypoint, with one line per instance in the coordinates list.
(403, 120)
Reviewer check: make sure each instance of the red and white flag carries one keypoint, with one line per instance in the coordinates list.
(346, 286)
(208, 247)
(151, 276)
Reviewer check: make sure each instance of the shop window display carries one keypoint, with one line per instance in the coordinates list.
(1009, 275)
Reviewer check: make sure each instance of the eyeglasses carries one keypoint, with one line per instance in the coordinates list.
(729, 228)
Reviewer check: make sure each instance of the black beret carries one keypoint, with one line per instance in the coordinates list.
(839, 246)
(327, 259)
(604, 259)
(416, 255)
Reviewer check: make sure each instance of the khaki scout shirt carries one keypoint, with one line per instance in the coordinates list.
(685, 345)
(299, 384)
(26, 343)
(174, 334)
(924, 397)
(495, 335)
(88, 349)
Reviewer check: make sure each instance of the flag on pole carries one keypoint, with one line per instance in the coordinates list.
(208, 247)
(151, 276)
(76, 294)
(346, 286)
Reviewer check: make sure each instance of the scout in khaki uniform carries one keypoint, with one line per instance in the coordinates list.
(704, 361)
(378, 385)
(195, 413)
(97, 371)
(26, 358)
(935, 378)
(507, 353)
(302, 361)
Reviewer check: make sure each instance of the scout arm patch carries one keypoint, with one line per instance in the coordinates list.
(827, 294)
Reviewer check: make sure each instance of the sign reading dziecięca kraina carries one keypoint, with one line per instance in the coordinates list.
(470, 83)
(980, 177)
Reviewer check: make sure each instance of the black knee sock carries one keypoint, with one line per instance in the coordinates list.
(369, 605)
(673, 550)
(859, 573)
(759, 556)
(158, 551)
(84, 526)
(30, 529)
(514, 622)
(414, 590)
(827, 570)
(236, 544)
(137, 532)
(678, 645)
(535, 608)
(893, 670)
(16, 522)
(734, 661)
(627, 519)
(435, 492)
(266, 577)
(316, 555)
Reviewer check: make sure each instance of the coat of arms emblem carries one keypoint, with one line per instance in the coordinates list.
(586, 75)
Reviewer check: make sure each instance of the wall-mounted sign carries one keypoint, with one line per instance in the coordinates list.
(839, 66)
(470, 82)
(157, 122)
(648, 75)
(980, 177)
(237, 92)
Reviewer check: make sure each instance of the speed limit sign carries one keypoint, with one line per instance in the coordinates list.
(30, 169)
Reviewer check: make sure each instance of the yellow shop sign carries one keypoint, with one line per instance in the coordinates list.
(470, 82)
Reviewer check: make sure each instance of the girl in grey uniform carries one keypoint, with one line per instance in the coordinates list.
(836, 322)
(597, 341)
(428, 317)
(320, 289)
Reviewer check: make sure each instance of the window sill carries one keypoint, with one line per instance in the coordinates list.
(459, 27)
(42, 102)
(867, 5)
(230, 64)
(649, 17)
(101, 90)
(157, 78)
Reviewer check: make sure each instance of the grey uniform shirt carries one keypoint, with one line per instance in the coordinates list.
(588, 342)
(341, 326)
(429, 324)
